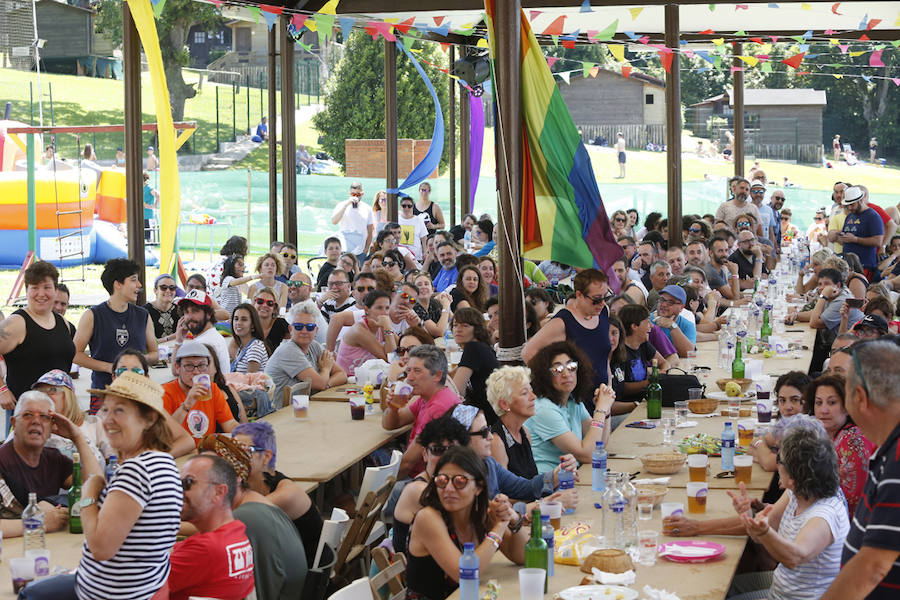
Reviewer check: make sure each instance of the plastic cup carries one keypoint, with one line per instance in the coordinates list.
(400, 397)
(696, 495)
(746, 428)
(734, 407)
(357, 408)
(41, 560)
(202, 379)
(743, 469)
(531, 584)
(300, 403)
(763, 408)
(668, 423)
(697, 466)
(21, 571)
(647, 542)
(645, 511)
(553, 509)
(690, 360)
(695, 393)
(455, 357)
(682, 410)
(670, 509)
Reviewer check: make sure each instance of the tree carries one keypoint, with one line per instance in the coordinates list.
(172, 27)
(354, 95)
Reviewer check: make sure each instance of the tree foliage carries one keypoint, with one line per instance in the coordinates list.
(354, 95)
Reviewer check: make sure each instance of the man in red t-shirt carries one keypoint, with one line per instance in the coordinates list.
(216, 562)
(198, 406)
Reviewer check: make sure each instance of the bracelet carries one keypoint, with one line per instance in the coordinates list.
(495, 539)
(183, 407)
(598, 424)
(757, 443)
(3, 388)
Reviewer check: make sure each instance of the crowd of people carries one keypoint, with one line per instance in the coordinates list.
(486, 441)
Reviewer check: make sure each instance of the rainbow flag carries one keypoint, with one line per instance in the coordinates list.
(563, 217)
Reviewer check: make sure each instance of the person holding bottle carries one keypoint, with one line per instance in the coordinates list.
(456, 511)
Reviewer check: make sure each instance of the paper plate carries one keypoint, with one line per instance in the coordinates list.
(597, 592)
(690, 551)
(723, 397)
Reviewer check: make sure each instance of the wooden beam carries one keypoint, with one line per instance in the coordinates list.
(509, 172)
(179, 126)
(465, 159)
(390, 125)
(272, 117)
(673, 127)
(375, 6)
(737, 153)
(134, 171)
(288, 134)
(452, 148)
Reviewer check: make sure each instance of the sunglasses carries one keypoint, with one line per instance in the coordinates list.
(424, 189)
(365, 288)
(356, 194)
(757, 191)
(820, 218)
(695, 230)
(785, 218)
(406, 296)
(261, 301)
(387, 264)
(571, 367)
(298, 284)
(188, 482)
(437, 450)
(484, 432)
(742, 224)
(289, 255)
(402, 350)
(601, 299)
(167, 288)
(459, 481)
(404, 205)
(301, 326)
(619, 220)
(137, 370)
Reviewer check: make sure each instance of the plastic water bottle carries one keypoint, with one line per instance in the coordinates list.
(728, 447)
(33, 525)
(111, 468)
(629, 520)
(566, 482)
(614, 514)
(598, 468)
(468, 573)
(547, 534)
(554, 281)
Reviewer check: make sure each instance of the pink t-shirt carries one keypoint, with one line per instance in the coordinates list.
(425, 412)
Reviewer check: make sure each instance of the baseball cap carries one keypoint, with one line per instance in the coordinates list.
(873, 322)
(851, 195)
(676, 292)
(149, 147)
(56, 378)
(198, 297)
(136, 388)
(192, 348)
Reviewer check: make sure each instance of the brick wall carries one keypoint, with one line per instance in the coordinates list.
(366, 158)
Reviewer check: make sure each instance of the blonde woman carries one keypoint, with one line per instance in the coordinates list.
(509, 394)
(268, 266)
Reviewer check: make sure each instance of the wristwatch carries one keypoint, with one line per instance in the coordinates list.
(85, 502)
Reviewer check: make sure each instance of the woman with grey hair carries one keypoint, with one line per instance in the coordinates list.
(816, 264)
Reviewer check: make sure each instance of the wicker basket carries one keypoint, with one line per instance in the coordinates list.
(663, 464)
(651, 492)
(744, 383)
(608, 560)
(703, 406)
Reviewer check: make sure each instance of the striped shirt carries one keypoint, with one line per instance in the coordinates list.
(877, 519)
(141, 565)
(810, 580)
(254, 351)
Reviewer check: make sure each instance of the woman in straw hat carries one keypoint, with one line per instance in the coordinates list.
(130, 522)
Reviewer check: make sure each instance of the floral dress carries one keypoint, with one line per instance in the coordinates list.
(853, 451)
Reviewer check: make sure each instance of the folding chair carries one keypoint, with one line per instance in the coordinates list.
(358, 590)
(390, 574)
(373, 479)
(355, 544)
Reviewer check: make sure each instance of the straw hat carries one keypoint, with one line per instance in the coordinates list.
(137, 388)
(235, 452)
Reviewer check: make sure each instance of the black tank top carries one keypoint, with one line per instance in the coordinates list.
(521, 460)
(429, 212)
(425, 579)
(42, 350)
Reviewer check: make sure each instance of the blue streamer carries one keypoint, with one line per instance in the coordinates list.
(269, 18)
(346, 26)
(432, 158)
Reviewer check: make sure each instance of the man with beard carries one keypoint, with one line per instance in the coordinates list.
(738, 205)
(863, 229)
(299, 289)
(718, 275)
(198, 407)
(675, 258)
(446, 254)
(648, 253)
(748, 258)
(196, 317)
(114, 325)
(682, 332)
(747, 222)
(630, 289)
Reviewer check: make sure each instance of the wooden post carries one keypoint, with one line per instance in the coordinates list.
(465, 159)
(737, 153)
(673, 126)
(390, 125)
(509, 169)
(248, 207)
(452, 149)
(273, 135)
(134, 172)
(288, 135)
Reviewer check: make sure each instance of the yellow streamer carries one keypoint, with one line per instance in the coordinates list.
(719, 41)
(834, 41)
(635, 12)
(750, 60)
(169, 186)
(330, 8)
(618, 51)
(858, 53)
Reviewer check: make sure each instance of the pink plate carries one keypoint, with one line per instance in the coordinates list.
(690, 551)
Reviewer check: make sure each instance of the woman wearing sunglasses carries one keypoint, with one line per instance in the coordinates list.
(274, 329)
(433, 309)
(163, 310)
(394, 264)
(457, 511)
(435, 439)
(229, 293)
(619, 224)
(478, 359)
(412, 337)
(372, 337)
(562, 378)
(268, 266)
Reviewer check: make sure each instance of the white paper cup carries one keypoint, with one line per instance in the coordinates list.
(300, 404)
(531, 584)
(41, 560)
(455, 357)
(672, 509)
(697, 460)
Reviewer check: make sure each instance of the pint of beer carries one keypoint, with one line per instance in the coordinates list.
(696, 495)
(743, 469)
(203, 380)
(300, 404)
(697, 464)
(746, 428)
(400, 397)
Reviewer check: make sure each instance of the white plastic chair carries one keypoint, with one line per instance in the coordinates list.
(332, 532)
(373, 479)
(358, 590)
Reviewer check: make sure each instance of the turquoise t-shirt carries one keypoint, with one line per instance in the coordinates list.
(148, 200)
(549, 421)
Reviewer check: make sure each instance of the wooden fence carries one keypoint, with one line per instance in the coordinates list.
(636, 136)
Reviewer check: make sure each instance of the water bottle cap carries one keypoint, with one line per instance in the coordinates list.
(468, 546)
(545, 518)
(599, 444)
(727, 423)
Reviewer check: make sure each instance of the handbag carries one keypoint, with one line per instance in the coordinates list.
(675, 387)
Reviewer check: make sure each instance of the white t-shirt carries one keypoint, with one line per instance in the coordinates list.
(412, 232)
(212, 337)
(354, 224)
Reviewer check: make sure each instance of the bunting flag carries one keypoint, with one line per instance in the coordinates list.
(586, 6)
(875, 59)
(635, 12)
(608, 32)
(626, 71)
(269, 18)
(794, 61)
(666, 59)
(618, 52)
(563, 217)
(565, 75)
(556, 27)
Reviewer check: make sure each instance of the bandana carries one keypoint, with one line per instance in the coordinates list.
(465, 414)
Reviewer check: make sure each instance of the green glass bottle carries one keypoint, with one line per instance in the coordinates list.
(536, 553)
(737, 365)
(766, 329)
(654, 395)
(75, 495)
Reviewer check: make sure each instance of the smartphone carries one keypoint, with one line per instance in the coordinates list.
(855, 302)
(641, 425)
